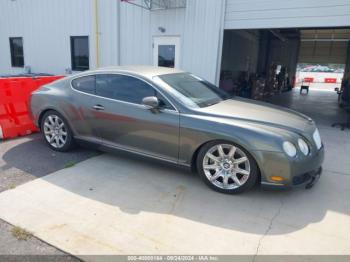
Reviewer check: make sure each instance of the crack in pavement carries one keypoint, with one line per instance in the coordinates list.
(268, 229)
(336, 172)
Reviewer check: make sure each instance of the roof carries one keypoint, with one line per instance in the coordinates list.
(145, 71)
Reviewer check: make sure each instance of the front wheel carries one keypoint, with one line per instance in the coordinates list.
(226, 167)
(56, 131)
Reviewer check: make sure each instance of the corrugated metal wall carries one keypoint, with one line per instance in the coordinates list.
(108, 32)
(46, 27)
(246, 14)
(139, 26)
(203, 37)
(199, 25)
(323, 52)
(127, 39)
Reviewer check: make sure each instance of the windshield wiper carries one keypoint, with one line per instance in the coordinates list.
(212, 103)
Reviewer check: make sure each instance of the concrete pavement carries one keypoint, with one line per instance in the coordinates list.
(22, 160)
(121, 205)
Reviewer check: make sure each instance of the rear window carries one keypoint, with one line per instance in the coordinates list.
(85, 84)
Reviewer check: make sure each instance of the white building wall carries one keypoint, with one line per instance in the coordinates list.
(199, 26)
(46, 27)
(139, 26)
(127, 38)
(250, 14)
(135, 43)
(203, 37)
(108, 24)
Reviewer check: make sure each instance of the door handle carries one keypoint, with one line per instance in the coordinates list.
(98, 107)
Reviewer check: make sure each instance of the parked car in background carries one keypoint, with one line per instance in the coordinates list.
(175, 116)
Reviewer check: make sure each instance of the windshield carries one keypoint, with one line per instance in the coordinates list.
(193, 91)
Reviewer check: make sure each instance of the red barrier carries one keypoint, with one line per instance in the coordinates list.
(14, 97)
(308, 79)
(330, 80)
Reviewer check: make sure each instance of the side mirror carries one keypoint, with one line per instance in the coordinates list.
(151, 102)
(336, 89)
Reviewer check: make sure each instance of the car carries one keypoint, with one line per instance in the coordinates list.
(175, 116)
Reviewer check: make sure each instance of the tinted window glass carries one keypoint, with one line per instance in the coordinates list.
(16, 48)
(80, 53)
(124, 88)
(194, 91)
(85, 84)
(164, 103)
(166, 56)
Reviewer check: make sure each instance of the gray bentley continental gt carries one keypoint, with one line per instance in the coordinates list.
(171, 115)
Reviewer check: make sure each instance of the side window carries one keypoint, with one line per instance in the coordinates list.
(123, 88)
(85, 84)
(164, 103)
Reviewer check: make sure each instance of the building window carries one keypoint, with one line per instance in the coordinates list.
(79, 52)
(16, 48)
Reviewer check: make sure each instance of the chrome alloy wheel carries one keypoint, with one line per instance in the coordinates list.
(55, 131)
(226, 166)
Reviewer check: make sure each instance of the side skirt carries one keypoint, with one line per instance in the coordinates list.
(108, 148)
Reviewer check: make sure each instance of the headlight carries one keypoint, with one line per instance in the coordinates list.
(317, 139)
(304, 148)
(289, 149)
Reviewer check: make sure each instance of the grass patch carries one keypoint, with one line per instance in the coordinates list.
(20, 233)
(70, 164)
(12, 186)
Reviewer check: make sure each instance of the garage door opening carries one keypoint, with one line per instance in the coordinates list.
(258, 64)
(262, 64)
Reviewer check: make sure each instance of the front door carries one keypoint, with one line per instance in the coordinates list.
(123, 121)
(166, 51)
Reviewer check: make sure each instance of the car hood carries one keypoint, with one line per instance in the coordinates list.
(259, 113)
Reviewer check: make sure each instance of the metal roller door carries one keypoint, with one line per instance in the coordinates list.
(324, 46)
(261, 14)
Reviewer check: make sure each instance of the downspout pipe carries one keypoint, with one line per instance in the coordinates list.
(220, 44)
(118, 32)
(97, 33)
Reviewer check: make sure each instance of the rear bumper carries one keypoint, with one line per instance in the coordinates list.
(299, 172)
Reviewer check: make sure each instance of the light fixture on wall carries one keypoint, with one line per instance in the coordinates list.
(161, 29)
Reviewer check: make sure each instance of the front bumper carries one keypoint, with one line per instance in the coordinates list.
(307, 180)
(298, 172)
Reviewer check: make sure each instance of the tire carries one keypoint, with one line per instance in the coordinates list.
(56, 131)
(226, 171)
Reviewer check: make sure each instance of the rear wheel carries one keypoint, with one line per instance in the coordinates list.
(56, 131)
(226, 167)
